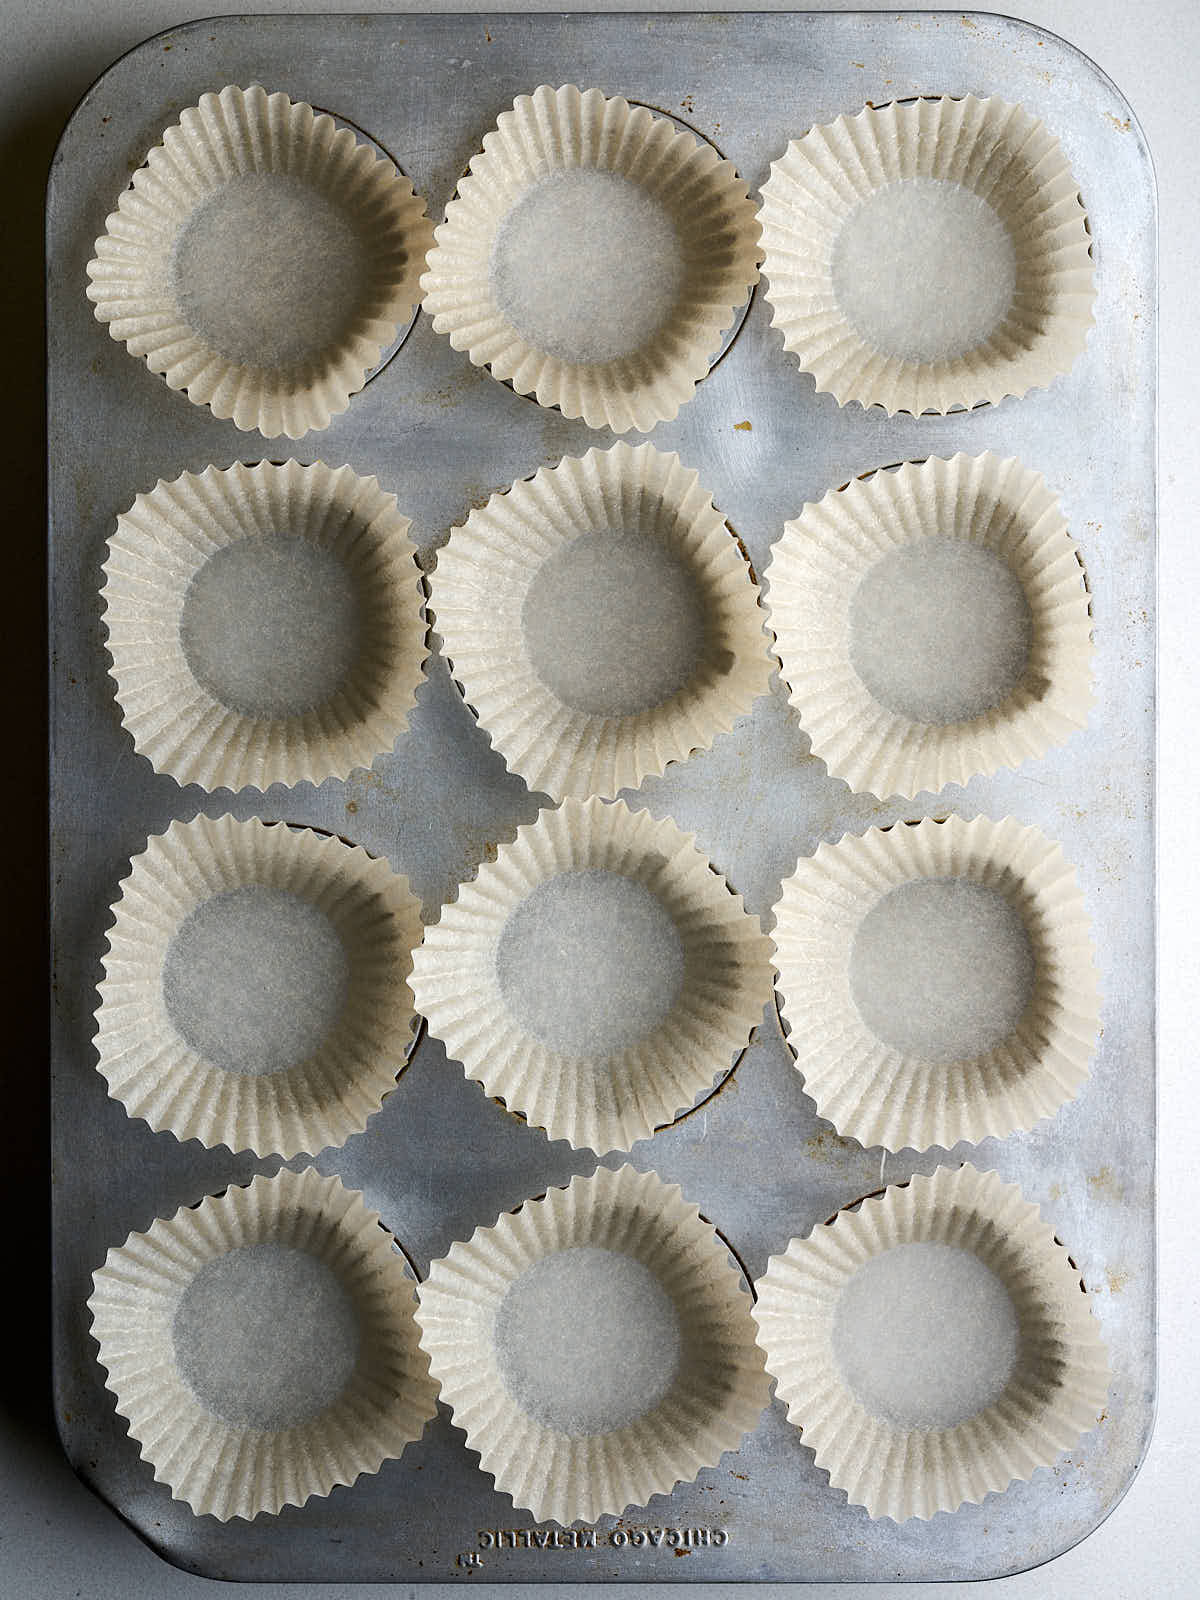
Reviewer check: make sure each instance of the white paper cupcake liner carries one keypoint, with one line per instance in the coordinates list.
(904, 1091)
(995, 507)
(548, 1387)
(265, 624)
(650, 995)
(938, 193)
(261, 260)
(594, 256)
(1054, 1392)
(258, 1284)
(255, 989)
(601, 620)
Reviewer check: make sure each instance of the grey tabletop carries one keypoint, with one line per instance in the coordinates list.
(55, 1539)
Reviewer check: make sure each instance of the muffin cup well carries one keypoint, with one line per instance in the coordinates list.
(982, 524)
(976, 1041)
(593, 256)
(1049, 1391)
(265, 624)
(639, 1372)
(928, 254)
(262, 1345)
(255, 989)
(596, 976)
(601, 620)
(262, 260)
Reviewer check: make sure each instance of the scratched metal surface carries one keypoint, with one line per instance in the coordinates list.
(441, 1158)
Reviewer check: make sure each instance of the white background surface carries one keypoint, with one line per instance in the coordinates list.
(56, 1539)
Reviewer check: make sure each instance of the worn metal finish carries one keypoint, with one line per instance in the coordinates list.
(442, 1158)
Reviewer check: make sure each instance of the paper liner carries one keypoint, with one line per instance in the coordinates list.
(232, 136)
(718, 1394)
(167, 538)
(485, 574)
(609, 1101)
(816, 567)
(1055, 1394)
(880, 1095)
(1000, 152)
(557, 131)
(218, 1467)
(321, 1100)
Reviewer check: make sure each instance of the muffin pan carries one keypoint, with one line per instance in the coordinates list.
(442, 1159)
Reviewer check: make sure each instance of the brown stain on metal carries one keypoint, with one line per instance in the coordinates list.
(824, 1146)
(1121, 127)
(351, 806)
(517, 1116)
(474, 850)
(1116, 1280)
(1106, 1182)
(477, 497)
(745, 554)
(728, 1082)
(743, 427)
(450, 394)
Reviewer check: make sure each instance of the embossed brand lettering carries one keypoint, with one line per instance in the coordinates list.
(616, 1538)
(675, 1538)
(537, 1538)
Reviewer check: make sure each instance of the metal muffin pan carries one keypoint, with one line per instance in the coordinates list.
(441, 1157)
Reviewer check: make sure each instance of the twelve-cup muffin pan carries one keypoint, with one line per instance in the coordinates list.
(442, 1158)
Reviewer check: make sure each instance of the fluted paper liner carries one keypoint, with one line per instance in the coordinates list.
(992, 505)
(719, 1390)
(341, 1078)
(611, 1098)
(706, 214)
(202, 731)
(329, 235)
(484, 577)
(1055, 1393)
(1000, 153)
(219, 1466)
(881, 1095)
